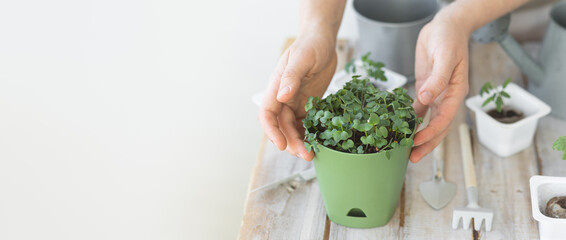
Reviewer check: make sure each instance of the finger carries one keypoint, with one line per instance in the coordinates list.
(291, 151)
(442, 69)
(422, 63)
(296, 69)
(295, 141)
(447, 108)
(439, 122)
(421, 151)
(270, 108)
(420, 109)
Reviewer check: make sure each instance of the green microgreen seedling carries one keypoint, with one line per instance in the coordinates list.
(496, 95)
(560, 145)
(360, 118)
(373, 69)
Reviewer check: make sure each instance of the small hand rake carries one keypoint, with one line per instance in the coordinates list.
(472, 210)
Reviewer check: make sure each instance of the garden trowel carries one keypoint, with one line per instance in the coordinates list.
(437, 192)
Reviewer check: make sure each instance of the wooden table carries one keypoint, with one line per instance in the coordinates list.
(503, 183)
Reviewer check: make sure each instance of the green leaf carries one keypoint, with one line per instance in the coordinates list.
(394, 145)
(336, 121)
(560, 145)
(337, 136)
(350, 67)
(327, 115)
(487, 101)
(360, 149)
(308, 146)
(363, 127)
(485, 89)
(499, 103)
(407, 142)
(383, 131)
(344, 135)
(405, 130)
(327, 134)
(315, 147)
(365, 57)
(373, 119)
(371, 140)
(309, 105)
(319, 114)
(380, 142)
(364, 140)
(507, 81)
(348, 144)
(505, 94)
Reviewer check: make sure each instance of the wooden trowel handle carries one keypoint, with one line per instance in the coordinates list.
(467, 158)
(438, 160)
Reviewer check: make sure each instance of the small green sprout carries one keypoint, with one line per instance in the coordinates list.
(560, 145)
(374, 69)
(496, 95)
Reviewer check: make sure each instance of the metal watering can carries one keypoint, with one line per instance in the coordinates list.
(547, 77)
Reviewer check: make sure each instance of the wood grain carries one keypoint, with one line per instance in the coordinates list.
(278, 212)
(503, 183)
(422, 221)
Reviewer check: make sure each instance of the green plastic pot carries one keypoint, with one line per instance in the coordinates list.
(361, 190)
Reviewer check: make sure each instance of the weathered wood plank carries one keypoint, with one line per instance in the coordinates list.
(389, 231)
(422, 221)
(279, 213)
(503, 183)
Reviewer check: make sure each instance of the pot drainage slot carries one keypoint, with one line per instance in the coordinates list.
(356, 212)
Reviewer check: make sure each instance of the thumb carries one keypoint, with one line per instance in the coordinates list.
(438, 80)
(291, 79)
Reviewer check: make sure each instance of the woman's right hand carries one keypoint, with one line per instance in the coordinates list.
(305, 69)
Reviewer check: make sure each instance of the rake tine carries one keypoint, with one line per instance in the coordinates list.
(455, 223)
(488, 223)
(466, 221)
(477, 224)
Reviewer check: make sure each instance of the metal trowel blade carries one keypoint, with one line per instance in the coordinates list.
(437, 193)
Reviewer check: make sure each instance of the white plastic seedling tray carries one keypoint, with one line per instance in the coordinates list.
(543, 188)
(508, 139)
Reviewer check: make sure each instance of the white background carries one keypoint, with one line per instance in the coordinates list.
(132, 119)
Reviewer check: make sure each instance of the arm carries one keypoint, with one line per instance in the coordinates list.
(321, 16)
(441, 64)
(473, 14)
(305, 69)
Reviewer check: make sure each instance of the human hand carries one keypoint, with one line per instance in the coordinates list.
(304, 70)
(441, 72)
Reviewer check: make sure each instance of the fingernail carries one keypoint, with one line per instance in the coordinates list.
(425, 97)
(284, 91)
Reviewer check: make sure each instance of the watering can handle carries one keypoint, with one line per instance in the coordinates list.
(496, 31)
(527, 64)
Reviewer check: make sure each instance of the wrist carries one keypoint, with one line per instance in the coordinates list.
(322, 32)
(456, 16)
